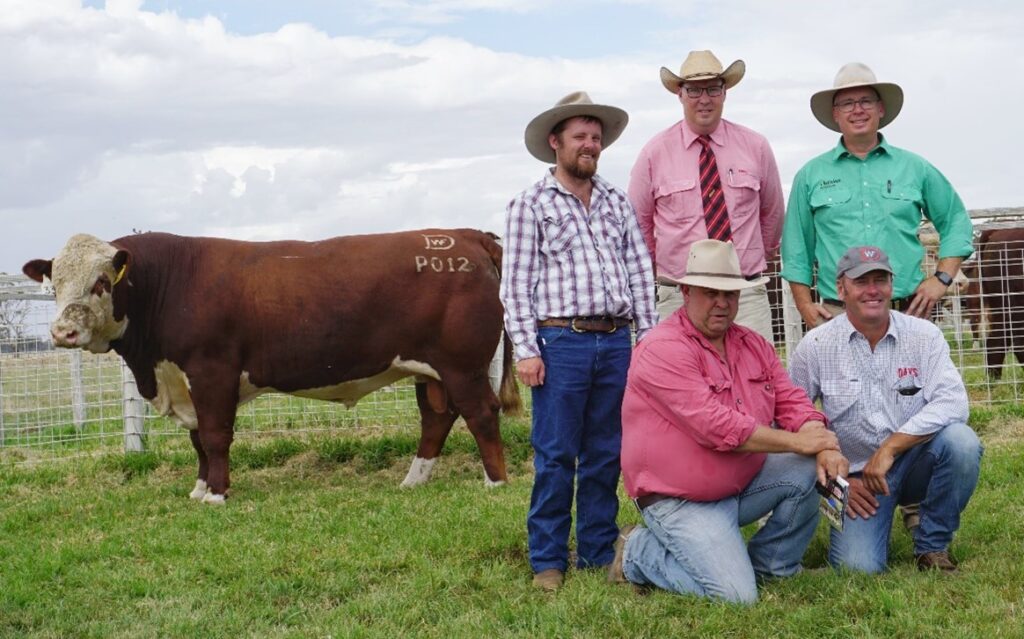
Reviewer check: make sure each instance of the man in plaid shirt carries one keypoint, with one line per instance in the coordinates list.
(576, 275)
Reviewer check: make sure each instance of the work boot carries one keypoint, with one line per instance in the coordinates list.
(615, 572)
(548, 580)
(939, 560)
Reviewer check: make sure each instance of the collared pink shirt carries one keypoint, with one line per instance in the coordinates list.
(685, 410)
(664, 187)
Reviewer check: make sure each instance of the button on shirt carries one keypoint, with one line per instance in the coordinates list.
(664, 187)
(561, 260)
(685, 410)
(908, 384)
(839, 200)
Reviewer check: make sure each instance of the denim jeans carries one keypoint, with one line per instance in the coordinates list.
(940, 474)
(577, 436)
(696, 547)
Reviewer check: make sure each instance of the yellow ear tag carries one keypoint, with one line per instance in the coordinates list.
(120, 274)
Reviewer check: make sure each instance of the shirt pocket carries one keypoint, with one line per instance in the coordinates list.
(903, 205)
(611, 228)
(909, 397)
(762, 397)
(560, 235)
(744, 191)
(839, 396)
(675, 198)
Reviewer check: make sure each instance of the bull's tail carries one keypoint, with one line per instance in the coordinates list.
(508, 393)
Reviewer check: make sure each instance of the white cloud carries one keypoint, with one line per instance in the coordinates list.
(127, 119)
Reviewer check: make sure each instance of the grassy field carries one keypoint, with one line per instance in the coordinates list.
(319, 541)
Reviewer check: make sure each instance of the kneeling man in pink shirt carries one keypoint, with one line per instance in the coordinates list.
(715, 436)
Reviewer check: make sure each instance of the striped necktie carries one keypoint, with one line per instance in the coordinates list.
(716, 217)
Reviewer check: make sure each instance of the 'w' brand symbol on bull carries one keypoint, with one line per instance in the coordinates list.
(439, 242)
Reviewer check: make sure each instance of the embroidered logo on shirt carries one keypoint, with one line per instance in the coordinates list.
(903, 371)
(827, 184)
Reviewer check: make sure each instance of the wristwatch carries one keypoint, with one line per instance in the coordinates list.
(944, 277)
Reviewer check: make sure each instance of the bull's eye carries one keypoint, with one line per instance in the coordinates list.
(102, 285)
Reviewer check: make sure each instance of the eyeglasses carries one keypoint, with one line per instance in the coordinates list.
(713, 92)
(847, 106)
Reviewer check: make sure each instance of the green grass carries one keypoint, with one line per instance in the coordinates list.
(318, 540)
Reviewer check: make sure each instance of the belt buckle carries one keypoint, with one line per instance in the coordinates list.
(572, 325)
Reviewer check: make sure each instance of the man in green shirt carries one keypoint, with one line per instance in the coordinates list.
(868, 192)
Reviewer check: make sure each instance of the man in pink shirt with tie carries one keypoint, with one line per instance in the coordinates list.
(715, 436)
(706, 177)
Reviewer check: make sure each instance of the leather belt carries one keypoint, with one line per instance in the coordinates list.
(649, 500)
(667, 282)
(898, 303)
(591, 324)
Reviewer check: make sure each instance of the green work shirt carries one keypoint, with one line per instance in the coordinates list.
(839, 201)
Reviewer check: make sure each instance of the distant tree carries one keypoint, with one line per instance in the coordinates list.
(13, 313)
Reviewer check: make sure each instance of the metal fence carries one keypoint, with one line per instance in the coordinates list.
(58, 403)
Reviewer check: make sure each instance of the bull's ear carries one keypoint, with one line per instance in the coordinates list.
(122, 264)
(37, 269)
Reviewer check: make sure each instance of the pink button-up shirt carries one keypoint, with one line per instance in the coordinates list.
(685, 410)
(664, 187)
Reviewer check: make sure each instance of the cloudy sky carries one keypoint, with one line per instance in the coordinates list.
(311, 118)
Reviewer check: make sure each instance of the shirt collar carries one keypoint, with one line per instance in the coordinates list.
(718, 136)
(846, 327)
(881, 148)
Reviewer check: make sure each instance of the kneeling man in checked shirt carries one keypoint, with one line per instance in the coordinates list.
(899, 407)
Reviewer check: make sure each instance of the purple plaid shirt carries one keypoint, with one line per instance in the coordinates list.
(561, 261)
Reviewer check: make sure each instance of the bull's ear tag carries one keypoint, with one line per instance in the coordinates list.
(120, 274)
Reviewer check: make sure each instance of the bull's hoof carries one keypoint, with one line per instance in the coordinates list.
(199, 491)
(215, 500)
(489, 483)
(419, 472)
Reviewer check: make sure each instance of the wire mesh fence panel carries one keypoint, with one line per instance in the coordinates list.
(59, 403)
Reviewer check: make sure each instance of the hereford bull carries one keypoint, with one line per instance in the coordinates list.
(206, 324)
(998, 305)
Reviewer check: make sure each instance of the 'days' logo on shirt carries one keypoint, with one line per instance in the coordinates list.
(904, 371)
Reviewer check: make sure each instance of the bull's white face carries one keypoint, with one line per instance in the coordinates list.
(83, 276)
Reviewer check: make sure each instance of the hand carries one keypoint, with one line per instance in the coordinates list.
(875, 470)
(531, 371)
(831, 463)
(862, 503)
(814, 314)
(811, 441)
(928, 293)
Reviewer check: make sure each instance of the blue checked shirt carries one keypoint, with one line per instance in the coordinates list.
(907, 385)
(561, 260)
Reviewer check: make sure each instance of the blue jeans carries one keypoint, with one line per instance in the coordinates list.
(696, 547)
(940, 474)
(577, 435)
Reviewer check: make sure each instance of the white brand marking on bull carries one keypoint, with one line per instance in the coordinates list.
(439, 242)
(444, 264)
(419, 472)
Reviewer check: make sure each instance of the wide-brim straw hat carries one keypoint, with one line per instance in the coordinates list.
(714, 264)
(852, 75)
(703, 65)
(613, 122)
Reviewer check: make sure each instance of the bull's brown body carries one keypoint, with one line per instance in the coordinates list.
(240, 318)
(996, 295)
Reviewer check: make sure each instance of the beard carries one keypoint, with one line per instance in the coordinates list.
(579, 170)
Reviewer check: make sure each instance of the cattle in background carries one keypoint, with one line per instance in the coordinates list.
(995, 297)
(206, 324)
